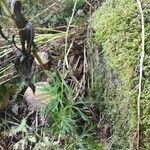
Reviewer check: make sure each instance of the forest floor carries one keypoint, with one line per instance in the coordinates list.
(62, 113)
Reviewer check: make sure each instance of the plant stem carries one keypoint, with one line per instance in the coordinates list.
(140, 76)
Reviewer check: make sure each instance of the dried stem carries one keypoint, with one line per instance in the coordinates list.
(140, 75)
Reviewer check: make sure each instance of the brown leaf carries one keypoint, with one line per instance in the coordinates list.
(40, 99)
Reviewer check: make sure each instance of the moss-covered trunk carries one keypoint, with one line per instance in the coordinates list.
(118, 29)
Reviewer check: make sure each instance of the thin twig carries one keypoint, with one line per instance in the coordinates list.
(66, 46)
(9, 77)
(66, 56)
(66, 38)
(140, 76)
(84, 71)
(89, 4)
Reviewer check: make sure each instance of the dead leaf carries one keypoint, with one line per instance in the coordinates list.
(40, 99)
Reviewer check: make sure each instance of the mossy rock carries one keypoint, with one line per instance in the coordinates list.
(117, 28)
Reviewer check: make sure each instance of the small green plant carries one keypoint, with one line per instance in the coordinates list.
(65, 114)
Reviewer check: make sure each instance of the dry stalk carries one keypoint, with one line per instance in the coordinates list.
(140, 75)
(66, 38)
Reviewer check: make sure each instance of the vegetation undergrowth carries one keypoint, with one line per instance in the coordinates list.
(69, 119)
(90, 79)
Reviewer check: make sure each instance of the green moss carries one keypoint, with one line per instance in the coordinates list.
(118, 29)
(118, 34)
